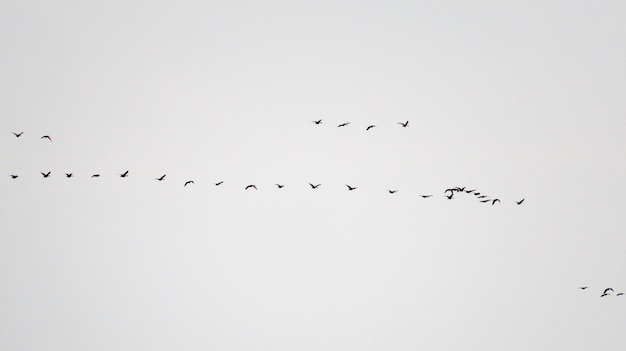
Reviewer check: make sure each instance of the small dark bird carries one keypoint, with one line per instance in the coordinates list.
(605, 294)
(392, 191)
(607, 289)
(319, 121)
(343, 124)
(69, 175)
(95, 176)
(315, 186)
(280, 186)
(405, 124)
(46, 137)
(124, 175)
(219, 183)
(161, 178)
(460, 189)
(476, 193)
(450, 196)
(470, 191)
(17, 135)
(620, 294)
(583, 287)
(45, 175)
(13, 176)
(482, 196)
(370, 127)
(188, 182)
(251, 186)
(351, 187)
(494, 201)
(425, 196)
(485, 200)
(520, 201)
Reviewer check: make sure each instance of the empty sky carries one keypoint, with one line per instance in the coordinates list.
(519, 99)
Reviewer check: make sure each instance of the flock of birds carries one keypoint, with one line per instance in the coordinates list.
(345, 124)
(605, 292)
(448, 193)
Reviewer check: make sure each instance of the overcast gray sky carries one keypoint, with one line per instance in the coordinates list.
(518, 99)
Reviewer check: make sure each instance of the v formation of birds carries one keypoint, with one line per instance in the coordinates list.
(448, 193)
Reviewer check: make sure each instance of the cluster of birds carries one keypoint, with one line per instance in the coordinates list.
(605, 292)
(17, 135)
(482, 198)
(345, 124)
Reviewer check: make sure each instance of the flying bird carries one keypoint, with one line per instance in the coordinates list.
(620, 294)
(485, 200)
(314, 186)
(280, 186)
(46, 137)
(482, 196)
(470, 191)
(343, 124)
(607, 289)
(494, 201)
(450, 196)
(95, 176)
(425, 196)
(392, 191)
(351, 187)
(219, 183)
(13, 176)
(519, 202)
(161, 177)
(583, 287)
(251, 186)
(45, 175)
(405, 124)
(69, 175)
(124, 175)
(605, 294)
(319, 121)
(370, 127)
(188, 182)
(17, 135)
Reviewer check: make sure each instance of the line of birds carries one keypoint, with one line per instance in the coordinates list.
(448, 193)
(17, 135)
(605, 292)
(345, 124)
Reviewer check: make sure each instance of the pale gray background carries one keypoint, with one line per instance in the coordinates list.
(515, 98)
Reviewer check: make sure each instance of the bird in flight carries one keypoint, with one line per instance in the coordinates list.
(494, 201)
(392, 191)
(251, 186)
(583, 287)
(425, 196)
(404, 125)
(370, 127)
(485, 200)
(450, 196)
(95, 176)
(319, 121)
(280, 186)
(620, 294)
(188, 182)
(69, 175)
(46, 137)
(17, 135)
(482, 196)
(519, 202)
(314, 186)
(343, 124)
(161, 178)
(470, 191)
(219, 183)
(45, 175)
(605, 294)
(13, 176)
(351, 187)
(607, 290)
(124, 175)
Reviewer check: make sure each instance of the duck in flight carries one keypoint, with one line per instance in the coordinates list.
(607, 290)
(13, 176)
(404, 125)
(161, 178)
(17, 135)
(251, 186)
(188, 182)
(219, 183)
(319, 121)
(583, 287)
(351, 187)
(450, 196)
(45, 175)
(425, 196)
(392, 191)
(124, 175)
(69, 175)
(343, 124)
(314, 186)
(280, 186)
(620, 294)
(370, 127)
(95, 175)
(46, 137)
(520, 201)
(493, 202)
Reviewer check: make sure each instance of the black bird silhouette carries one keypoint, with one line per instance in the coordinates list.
(482, 196)
(520, 201)
(46, 137)
(620, 294)
(583, 287)
(370, 127)
(494, 201)
(251, 186)
(124, 175)
(95, 176)
(319, 121)
(219, 183)
(470, 191)
(17, 135)
(69, 175)
(607, 289)
(45, 175)
(425, 196)
(343, 124)
(485, 200)
(405, 124)
(392, 191)
(161, 178)
(280, 186)
(188, 182)
(351, 187)
(13, 176)
(450, 196)
(605, 294)
(315, 186)
(476, 193)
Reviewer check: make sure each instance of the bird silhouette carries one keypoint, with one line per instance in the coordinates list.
(405, 124)
(251, 186)
(520, 201)
(46, 137)
(45, 175)
(392, 191)
(69, 175)
(620, 294)
(605, 294)
(343, 124)
(17, 135)
(188, 182)
(314, 186)
(493, 202)
(95, 176)
(370, 127)
(482, 196)
(280, 186)
(319, 121)
(476, 193)
(425, 196)
(161, 178)
(450, 196)
(351, 187)
(219, 183)
(124, 175)
(607, 290)
(13, 176)
(470, 191)
(485, 200)
(583, 287)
